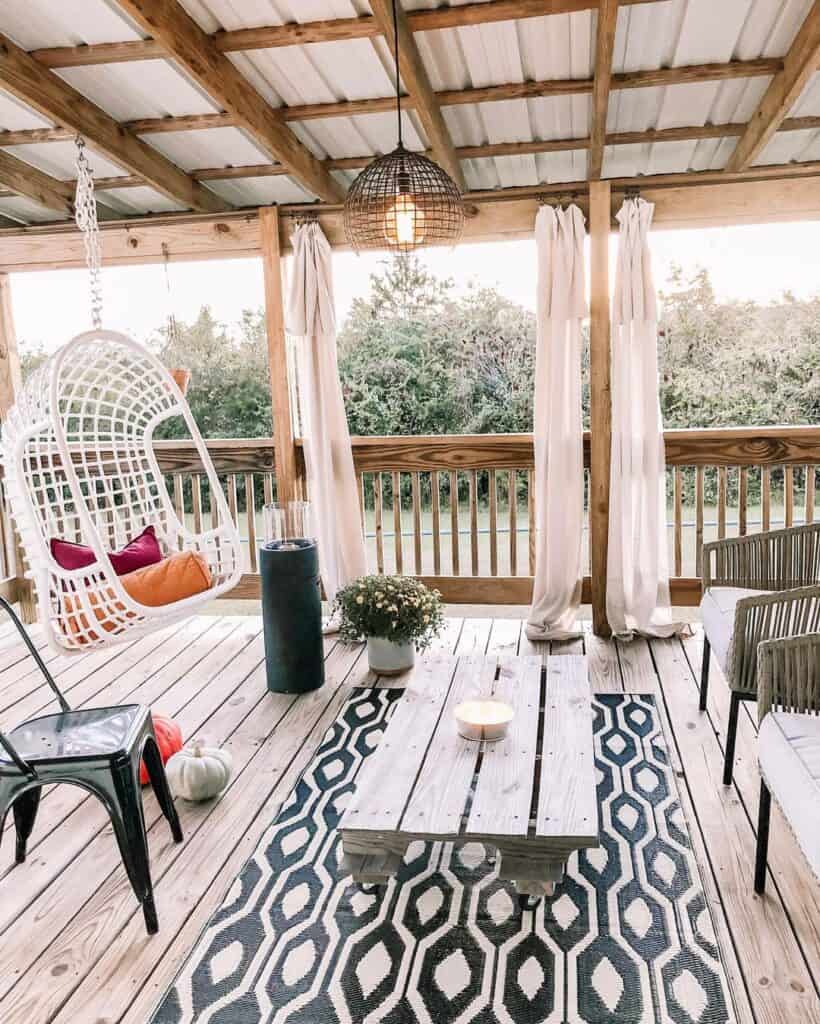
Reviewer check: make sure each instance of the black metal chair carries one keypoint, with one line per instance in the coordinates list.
(98, 749)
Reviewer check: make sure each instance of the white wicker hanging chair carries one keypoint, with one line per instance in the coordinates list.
(80, 466)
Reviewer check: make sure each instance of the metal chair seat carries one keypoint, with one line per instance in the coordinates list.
(99, 749)
(91, 733)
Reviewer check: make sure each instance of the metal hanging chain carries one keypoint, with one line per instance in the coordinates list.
(396, 54)
(85, 216)
(173, 326)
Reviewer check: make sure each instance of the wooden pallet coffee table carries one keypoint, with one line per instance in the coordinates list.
(530, 796)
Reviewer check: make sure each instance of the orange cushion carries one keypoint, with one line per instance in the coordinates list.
(173, 579)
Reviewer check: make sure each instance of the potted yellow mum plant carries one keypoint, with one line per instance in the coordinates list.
(396, 615)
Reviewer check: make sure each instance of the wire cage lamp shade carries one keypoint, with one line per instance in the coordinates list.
(401, 201)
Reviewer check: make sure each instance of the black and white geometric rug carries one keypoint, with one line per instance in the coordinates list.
(627, 937)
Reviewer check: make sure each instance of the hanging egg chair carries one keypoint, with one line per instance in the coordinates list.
(80, 469)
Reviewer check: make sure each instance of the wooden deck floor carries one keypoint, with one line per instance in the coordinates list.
(74, 948)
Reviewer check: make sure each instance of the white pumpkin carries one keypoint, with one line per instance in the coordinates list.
(198, 772)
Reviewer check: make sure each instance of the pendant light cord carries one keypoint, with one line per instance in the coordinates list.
(396, 53)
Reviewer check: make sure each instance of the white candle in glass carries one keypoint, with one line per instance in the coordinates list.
(485, 718)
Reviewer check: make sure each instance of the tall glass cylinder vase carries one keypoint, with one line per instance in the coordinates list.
(291, 600)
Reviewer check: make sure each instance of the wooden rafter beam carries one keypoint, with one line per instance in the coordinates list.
(604, 49)
(417, 82)
(330, 30)
(22, 179)
(55, 99)
(169, 22)
(489, 150)
(799, 64)
(490, 94)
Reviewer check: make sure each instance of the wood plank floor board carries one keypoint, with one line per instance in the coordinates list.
(785, 858)
(82, 956)
(780, 985)
(145, 682)
(243, 729)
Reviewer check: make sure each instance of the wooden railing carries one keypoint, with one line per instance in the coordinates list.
(459, 510)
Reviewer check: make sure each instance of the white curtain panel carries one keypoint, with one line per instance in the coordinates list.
(637, 594)
(557, 426)
(331, 478)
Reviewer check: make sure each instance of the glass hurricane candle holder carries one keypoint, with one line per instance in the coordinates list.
(289, 523)
(484, 718)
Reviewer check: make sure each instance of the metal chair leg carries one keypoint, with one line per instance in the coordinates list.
(25, 813)
(129, 827)
(731, 736)
(159, 784)
(763, 817)
(704, 673)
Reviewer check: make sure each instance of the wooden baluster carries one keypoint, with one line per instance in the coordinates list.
(474, 521)
(454, 530)
(179, 497)
(531, 519)
(360, 489)
(513, 499)
(397, 538)
(435, 499)
(766, 498)
(788, 495)
(250, 512)
(678, 521)
(377, 513)
(212, 503)
(196, 489)
(742, 500)
(267, 488)
(721, 509)
(699, 521)
(491, 483)
(810, 482)
(417, 523)
(232, 506)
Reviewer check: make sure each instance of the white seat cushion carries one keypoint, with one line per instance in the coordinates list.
(717, 607)
(789, 755)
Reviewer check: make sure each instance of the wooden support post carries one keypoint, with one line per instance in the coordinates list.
(277, 355)
(600, 398)
(10, 384)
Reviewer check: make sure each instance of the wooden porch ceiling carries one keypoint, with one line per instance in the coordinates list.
(172, 34)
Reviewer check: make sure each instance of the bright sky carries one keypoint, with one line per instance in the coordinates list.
(749, 262)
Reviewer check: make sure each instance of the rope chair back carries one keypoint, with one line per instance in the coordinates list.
(80, 466)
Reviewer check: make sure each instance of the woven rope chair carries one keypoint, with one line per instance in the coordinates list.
(789, 743)
(770, 586)
(80, 465)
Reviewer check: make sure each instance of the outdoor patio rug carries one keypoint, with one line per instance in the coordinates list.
(627, 937)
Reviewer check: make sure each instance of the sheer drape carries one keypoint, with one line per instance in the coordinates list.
(331, 478)
(557, 426)
(637, 595)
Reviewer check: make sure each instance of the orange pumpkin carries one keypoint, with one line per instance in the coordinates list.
(169, 741)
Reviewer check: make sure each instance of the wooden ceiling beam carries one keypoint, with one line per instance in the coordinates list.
(799, 64)
(494, 93)
(330, 30)
(168, 22)
(417, 82)
(55, 99)
(355, 163)
(604, 50)
(22, 179)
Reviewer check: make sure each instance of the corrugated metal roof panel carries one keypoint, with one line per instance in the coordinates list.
(260, 191)
(140, 200)
(38, 23)
(26, 210)
(59, 159)
(15, 115)
(216, 147)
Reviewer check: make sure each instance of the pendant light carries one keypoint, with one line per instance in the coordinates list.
(402, 200)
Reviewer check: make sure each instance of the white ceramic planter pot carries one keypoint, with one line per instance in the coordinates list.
(388, 658)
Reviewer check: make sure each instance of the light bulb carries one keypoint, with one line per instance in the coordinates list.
(404, 224)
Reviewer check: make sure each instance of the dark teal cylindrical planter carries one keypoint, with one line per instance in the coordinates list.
(292, 616)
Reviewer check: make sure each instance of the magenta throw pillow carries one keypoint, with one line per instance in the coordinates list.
(137, 554)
